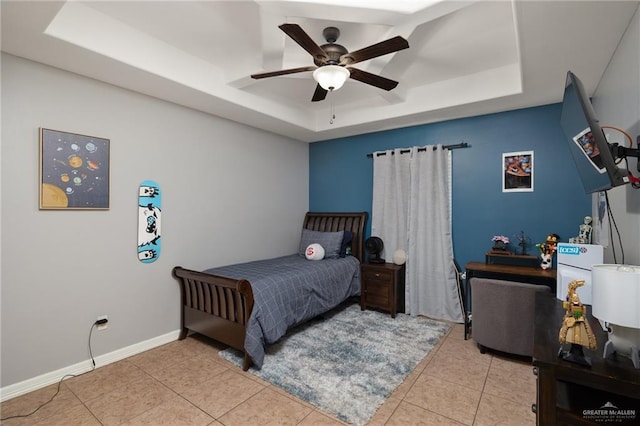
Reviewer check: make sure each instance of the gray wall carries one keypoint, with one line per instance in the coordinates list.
(617, 103)
(230, 193)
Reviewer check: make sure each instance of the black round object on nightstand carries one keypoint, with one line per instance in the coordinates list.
(373, 247)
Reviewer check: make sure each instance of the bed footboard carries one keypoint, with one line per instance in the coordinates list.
(217, 307)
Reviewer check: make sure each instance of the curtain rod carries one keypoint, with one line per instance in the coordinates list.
(405, 151)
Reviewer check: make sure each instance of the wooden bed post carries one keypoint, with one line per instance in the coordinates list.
(217, 307)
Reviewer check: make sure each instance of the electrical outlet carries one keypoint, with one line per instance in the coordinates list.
(104, 322)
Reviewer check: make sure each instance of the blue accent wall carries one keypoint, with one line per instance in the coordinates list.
(341, 176)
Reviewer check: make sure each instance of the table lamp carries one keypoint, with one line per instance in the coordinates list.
(616, 303)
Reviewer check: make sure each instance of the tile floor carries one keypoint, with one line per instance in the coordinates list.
(187, 383)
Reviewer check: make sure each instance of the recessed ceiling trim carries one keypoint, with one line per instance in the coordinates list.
(92, 30)
(400, 6)
(478, 87)
(200, 54)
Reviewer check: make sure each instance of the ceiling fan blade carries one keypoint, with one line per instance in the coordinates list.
(319, 94)
(383, 48)
(302, 38)
(282, 72)
(372, 79)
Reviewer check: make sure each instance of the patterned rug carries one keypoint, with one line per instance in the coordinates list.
(347, 362)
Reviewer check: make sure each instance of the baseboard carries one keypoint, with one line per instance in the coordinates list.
(30, 385)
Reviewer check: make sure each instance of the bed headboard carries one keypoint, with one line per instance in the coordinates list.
(332, 222)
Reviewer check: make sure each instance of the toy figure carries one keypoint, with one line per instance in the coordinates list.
(584, 236)
(547, 249)
(546, 259)
(552, 242)
(575, 328)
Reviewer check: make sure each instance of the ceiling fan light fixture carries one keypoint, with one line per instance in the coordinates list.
(331, 77)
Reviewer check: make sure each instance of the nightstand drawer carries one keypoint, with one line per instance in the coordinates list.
(378, 275)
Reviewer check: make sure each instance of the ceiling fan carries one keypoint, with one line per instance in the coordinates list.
(333, 61)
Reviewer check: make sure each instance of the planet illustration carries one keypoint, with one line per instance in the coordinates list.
(93, 165)
(74, 171)
(53, 197)
(75, 161)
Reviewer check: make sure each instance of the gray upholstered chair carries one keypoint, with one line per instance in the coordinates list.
(503, 315)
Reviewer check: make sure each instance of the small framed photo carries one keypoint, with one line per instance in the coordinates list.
(74, 171)
(587, 145)
(517, 171)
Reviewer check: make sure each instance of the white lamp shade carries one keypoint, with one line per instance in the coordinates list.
(331, 77)
(616, 294)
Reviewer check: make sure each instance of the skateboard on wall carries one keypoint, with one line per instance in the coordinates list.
(149, 212)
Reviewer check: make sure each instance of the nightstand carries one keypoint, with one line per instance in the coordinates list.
(382, 287)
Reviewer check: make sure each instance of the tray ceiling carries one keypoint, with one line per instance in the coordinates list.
(465, 58)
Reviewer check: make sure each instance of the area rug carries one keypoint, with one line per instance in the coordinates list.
(347, 362)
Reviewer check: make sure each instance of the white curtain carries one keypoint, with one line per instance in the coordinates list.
(412, 211)
(391, 180)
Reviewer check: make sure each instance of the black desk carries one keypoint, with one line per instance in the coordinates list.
(568, 393)
(526, 274)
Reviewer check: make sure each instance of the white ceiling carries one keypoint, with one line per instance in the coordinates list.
(465, 58)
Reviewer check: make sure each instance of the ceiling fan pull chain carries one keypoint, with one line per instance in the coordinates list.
(333, 113)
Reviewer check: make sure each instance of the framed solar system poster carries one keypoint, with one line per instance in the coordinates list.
(74, 171)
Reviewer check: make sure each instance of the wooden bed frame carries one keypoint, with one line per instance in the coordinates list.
(220, 307)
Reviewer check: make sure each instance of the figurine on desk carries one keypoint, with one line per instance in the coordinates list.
(584, 236)
(547, 249)
(575, 328)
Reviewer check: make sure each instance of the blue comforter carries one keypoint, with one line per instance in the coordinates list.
(290, 290)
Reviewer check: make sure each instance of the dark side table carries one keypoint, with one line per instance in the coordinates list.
(382, 287)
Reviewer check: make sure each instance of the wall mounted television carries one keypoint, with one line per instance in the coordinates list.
(594, 157)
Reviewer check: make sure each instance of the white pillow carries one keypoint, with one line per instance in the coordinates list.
(314, 252)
